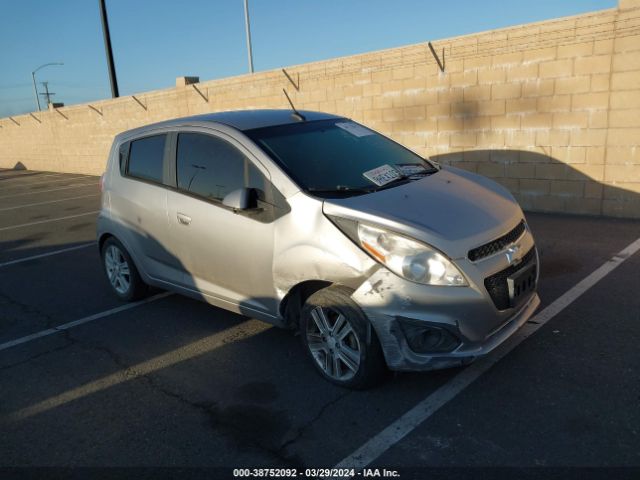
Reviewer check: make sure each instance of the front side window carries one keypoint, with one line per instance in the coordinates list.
(145, 158)
(211, 167)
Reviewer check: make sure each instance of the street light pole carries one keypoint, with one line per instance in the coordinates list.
(33, 78)
(248, 28)
(35, 89)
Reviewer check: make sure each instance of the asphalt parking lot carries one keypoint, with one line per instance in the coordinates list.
(171, 382)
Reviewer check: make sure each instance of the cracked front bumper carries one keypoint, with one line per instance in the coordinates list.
(466, 312)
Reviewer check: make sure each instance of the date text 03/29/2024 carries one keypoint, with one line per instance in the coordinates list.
(315, 473)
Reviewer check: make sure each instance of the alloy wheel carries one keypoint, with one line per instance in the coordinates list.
(333, 343)
(118, 270)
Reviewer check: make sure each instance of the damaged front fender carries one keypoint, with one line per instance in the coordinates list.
(307, 246)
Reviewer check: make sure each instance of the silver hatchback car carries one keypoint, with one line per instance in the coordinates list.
(310, 221)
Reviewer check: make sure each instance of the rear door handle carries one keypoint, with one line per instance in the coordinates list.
(184, 219)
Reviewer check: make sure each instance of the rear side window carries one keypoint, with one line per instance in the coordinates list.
(211, 168)
(145, 158)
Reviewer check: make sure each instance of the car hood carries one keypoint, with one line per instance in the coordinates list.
(452, 210)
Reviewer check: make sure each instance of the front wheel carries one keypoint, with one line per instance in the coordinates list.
(340, 340)
(121, 272)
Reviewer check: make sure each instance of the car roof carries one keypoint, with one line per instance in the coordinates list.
(240, 119)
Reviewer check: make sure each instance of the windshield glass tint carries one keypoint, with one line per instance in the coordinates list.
(331, 154)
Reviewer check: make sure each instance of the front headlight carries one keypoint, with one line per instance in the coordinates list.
(409, 258)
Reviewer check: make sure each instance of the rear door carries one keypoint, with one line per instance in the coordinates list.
(227, 254)
(139, 206)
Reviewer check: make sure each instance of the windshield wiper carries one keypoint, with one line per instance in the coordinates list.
(423, 173)
(406, 179)
(393, 183)
(345, 189)
(341, 189)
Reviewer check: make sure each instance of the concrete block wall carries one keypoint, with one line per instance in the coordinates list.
(550, 109)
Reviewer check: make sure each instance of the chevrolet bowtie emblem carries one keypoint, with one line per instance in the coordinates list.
(513, 254)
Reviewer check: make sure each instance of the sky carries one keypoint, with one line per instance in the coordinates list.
(155, 41)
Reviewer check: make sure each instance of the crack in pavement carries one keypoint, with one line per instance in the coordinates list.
(218, 417)
(212, 411)
(27, 309)
(303, 429)
(48, 321)
(35, 357)
(209, 409)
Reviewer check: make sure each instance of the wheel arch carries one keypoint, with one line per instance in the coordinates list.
(103, 238)
(106, 236)
(291, 304)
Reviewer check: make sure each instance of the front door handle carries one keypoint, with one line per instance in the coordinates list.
(184, 219)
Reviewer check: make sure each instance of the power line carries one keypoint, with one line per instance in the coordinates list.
(15, 85)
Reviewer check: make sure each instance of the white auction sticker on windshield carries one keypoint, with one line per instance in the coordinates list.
(354, 129)
(409, 169)
(382, 175)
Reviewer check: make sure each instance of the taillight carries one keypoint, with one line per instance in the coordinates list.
(102, 183)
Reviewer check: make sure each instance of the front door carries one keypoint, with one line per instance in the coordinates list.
(226, 255)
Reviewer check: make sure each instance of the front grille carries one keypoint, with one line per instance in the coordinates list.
(497, 285)
(498, 244)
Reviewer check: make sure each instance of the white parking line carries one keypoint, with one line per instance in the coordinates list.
(69, 179)
(39, 222)
(19, 172)
(47, 191)
(48, 202)
(48, 254)
(408, 422)
(75, 323)
(29, 173)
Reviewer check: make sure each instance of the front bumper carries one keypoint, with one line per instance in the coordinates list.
(466, 312)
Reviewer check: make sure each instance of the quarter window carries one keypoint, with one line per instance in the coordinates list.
(145, 158)
(123, 154)
(211, 168)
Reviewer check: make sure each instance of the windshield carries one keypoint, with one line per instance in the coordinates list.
(331, 156)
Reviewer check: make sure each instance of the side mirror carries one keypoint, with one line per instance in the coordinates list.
(241, 199)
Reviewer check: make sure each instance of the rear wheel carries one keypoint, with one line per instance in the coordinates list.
(340, 339)
(121, 272)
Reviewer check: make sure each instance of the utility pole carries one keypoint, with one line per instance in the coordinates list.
(47, 93)
(248, 28)
(108, 51)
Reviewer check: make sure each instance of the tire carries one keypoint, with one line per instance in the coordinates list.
(121, 272)
(340, 340)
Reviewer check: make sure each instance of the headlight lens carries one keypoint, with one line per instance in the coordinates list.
(408, 258)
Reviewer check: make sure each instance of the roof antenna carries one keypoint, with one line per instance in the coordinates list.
(296, 114)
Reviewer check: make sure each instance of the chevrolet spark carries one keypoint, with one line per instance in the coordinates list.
(380, 258)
